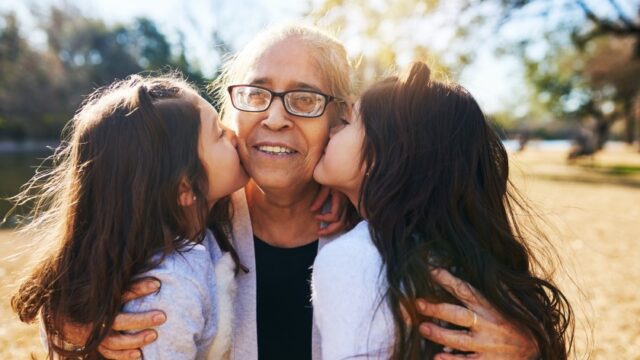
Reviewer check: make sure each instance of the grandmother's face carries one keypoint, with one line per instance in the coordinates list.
(280, 150)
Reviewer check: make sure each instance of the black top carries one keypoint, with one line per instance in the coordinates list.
(284, 312)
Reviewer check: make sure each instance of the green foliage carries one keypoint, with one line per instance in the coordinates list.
(623, 170)
(382, 30)
(41, 88)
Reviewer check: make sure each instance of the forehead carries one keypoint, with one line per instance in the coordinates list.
(204, 107)
(285, 65)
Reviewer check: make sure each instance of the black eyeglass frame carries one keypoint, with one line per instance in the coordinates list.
(281, 95)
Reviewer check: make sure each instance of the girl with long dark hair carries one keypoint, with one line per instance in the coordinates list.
(424, 168)
(131, 194)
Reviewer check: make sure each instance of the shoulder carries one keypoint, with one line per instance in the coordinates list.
(190, 270)
(353, 249)
(192, 260)
(348, 287)
(187, 275)
(350, 263)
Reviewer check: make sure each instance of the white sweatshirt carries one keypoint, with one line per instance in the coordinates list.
(348, 285)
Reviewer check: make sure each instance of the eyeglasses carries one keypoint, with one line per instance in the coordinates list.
(303, 103)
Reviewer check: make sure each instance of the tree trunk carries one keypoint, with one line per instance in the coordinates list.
(602, 132)
(635, 118)
(630, 121)
(638, 133)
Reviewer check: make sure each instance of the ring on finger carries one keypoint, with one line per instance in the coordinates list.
(475, 320)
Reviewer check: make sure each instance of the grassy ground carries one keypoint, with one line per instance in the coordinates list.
(594, 212)
(17, 340)
(593, 209)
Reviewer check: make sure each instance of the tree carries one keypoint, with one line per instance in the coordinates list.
(383, 35)
(563, 53)
(40, 89)
(26, 85)
(604, 42)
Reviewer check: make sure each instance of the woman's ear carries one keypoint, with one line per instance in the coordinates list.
(185, 194)
(350, 111)
(346, 111)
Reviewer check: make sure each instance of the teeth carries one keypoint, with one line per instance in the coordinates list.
(275, 149)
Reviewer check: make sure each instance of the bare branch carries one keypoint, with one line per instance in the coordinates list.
(621, 15)
(607, 26)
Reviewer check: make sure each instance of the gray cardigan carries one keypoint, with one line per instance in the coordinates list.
(245, 332)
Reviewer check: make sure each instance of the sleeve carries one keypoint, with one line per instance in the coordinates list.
(186, 298)
(347, 303)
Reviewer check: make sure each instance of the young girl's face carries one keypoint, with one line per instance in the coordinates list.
(217, 152)
(341, 166)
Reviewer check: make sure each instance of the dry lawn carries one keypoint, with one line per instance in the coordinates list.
(594, 213)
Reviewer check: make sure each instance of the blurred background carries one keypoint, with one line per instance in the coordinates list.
(560, 79)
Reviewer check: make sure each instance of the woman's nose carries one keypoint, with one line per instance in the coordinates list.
(277, 117)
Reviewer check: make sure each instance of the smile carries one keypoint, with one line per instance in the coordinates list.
(275, 150)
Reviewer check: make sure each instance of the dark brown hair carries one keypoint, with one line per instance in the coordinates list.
(437, 194)
(111, 203)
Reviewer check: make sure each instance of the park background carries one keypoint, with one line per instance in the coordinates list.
(560, 79)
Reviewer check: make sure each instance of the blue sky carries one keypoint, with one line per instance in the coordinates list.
(497, 83)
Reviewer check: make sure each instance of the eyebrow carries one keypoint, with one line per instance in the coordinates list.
(296, 85)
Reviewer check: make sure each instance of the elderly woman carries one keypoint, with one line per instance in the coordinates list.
(282, 93)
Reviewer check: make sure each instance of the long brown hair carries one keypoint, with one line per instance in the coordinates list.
(111, 203)
(437, 194)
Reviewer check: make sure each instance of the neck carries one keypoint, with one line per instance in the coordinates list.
(281, 217)
(353, 198)
(193, 227)
(353, 194)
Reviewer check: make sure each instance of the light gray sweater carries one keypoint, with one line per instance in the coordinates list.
(197, 294)
(194, 295)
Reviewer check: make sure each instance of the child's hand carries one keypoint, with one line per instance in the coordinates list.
(336, 217)
(121, 346)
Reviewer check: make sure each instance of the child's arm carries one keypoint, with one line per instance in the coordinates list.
(187, 296)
